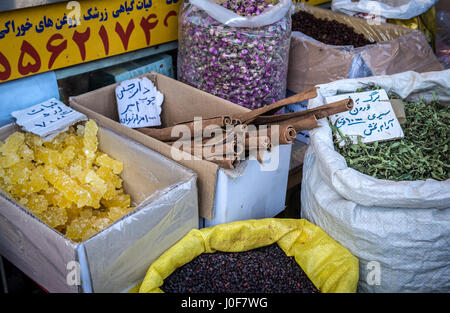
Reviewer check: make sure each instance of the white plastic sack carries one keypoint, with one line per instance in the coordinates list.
(229, 18)
(396, 9)
(398, 230)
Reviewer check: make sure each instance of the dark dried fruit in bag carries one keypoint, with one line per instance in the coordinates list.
(263, 270)
(329, 32)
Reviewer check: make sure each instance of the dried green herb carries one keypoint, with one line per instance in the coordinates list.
(421, 154)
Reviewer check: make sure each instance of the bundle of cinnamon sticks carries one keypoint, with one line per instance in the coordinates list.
(227, 139)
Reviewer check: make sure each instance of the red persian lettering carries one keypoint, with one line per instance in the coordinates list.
(27, 48)
(125, 36)
(80, 39)
(147, 26)
(55, 50)
(171, 13)
(104, 36)
(4, 75)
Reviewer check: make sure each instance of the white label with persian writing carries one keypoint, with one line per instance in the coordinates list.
(139, 103)
(372, 117)
(47, 119)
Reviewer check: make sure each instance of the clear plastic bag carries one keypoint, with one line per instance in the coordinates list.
(443, 38)
(240, 59)
(397, 9)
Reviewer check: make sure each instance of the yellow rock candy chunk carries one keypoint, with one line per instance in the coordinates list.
(66, 156)
(19, 172)
(74, 141)
(35, 202)
(47, 156)
(66, 182)
(100, 223)
(9, 150)
(13, 143)
(77, 228)
(33, 141)
(54, 216)
(37, 181)
(115, 212)
(120, 200)
(67, 186)
(90, 141)
(58, 199)
(112, 181)
(95, 182)
(26, 152)
(114, 165)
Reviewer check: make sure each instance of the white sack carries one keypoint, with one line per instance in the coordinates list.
(404, 226)
(396, 9)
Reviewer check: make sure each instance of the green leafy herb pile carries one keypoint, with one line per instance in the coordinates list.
(423, 153)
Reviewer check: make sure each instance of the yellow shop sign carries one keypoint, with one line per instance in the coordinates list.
(45, 38)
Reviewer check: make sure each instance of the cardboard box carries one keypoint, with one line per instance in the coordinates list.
(182, 103)
(398, 49)
(118, 257)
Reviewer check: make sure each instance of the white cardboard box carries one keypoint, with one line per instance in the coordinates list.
(224, 196)
(117, 258)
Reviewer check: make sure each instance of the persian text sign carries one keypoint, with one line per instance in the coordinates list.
(372, 117)
(139, 103)
(50, 37)
(48, 119)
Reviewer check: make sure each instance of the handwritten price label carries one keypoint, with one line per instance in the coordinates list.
(47, 119)
(139, 103)
(372, 117)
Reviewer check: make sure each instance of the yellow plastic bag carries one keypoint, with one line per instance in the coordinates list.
(425, 22)
(330, 267)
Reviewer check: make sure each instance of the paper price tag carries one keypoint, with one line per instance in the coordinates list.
(139, 103)
(48, 119)
(372, 117)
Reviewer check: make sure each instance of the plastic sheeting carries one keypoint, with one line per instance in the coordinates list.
(116, 258)
(396, 9)
(403, 226)
(240, 59)
(229, 18)
(443, 38)
(329, 266)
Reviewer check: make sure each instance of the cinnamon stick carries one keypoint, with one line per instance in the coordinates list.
(300, 123)
(320, 112)
(165, 134)
(222, 120)
(274, 107)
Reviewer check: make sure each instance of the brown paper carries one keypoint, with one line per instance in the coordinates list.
(399, 109)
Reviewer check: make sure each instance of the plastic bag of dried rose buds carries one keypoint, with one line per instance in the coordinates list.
(237, 50)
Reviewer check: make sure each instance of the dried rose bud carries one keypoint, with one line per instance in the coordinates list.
(247, 66)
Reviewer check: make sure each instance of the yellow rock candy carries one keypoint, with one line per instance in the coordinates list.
(114, 165)
(90, 141)
(66, 182)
